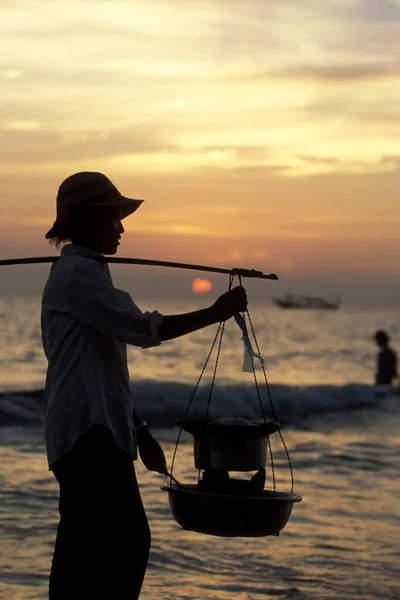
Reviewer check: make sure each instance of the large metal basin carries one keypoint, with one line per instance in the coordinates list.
(229, 515)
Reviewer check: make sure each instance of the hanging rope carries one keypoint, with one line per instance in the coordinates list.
(272, 408)
(248, 348)
(220, 332)
(231, 278)
(192, 398)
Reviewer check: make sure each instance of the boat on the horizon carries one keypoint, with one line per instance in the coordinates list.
(307, 302)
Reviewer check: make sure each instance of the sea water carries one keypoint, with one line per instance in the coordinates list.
(343, 539)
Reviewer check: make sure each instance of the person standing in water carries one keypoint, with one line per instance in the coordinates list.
(92, 432)
(387, 369)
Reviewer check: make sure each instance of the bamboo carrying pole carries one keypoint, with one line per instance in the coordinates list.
(143, 261)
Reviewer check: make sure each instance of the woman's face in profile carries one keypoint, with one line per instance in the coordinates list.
(99, 229)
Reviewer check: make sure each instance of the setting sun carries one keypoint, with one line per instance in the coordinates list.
(201, 286)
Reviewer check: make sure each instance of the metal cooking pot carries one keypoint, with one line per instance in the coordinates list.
(231, 454)
(230, 447)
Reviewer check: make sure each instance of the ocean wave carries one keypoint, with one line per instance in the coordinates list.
(163, 403)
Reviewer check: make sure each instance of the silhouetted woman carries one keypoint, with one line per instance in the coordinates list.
(92, 431)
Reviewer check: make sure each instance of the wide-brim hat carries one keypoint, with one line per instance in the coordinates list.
(86, 190)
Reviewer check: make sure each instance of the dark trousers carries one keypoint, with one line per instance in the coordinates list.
(103, 537)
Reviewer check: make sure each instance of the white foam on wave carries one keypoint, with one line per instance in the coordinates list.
(163, 403)
(171, 400)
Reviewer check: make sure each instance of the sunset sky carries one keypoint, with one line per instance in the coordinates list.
(261, 133)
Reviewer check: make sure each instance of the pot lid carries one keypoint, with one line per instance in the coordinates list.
(228, 427)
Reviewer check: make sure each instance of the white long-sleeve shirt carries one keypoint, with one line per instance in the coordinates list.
(86, 324)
